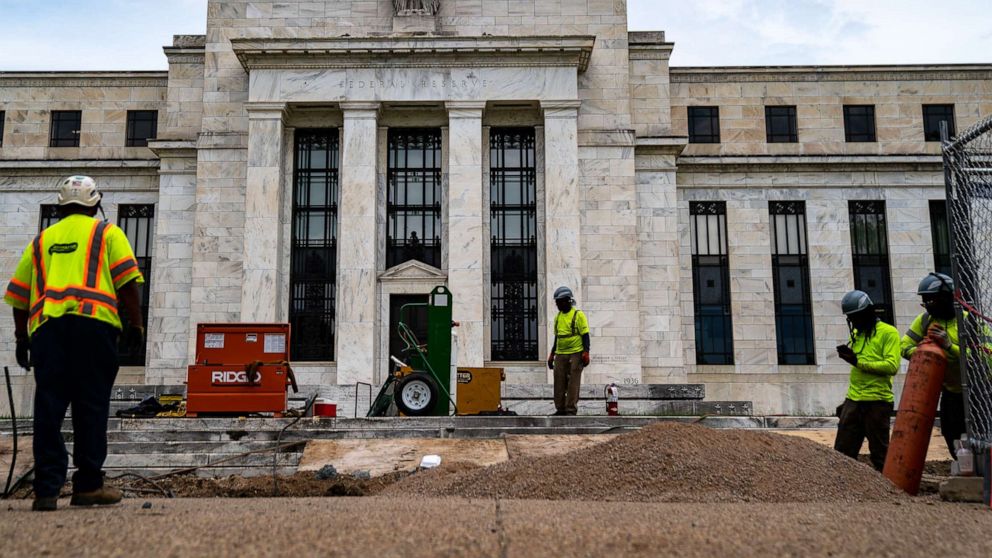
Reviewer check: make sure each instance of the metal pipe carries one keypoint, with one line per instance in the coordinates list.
(13, 421)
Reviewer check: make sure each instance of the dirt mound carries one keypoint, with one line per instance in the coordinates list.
(671, 462)
(298, 485)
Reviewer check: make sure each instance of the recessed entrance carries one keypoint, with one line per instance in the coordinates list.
(415, 318)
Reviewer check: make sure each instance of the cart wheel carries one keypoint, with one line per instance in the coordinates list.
(416, 394)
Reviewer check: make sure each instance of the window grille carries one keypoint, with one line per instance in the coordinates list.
(870, 251)
(704, 124)
(142, 125)
(413, 200)
(513, 248)
(790, 273)
(780, 124)
(137, 222)
(711, 283)
(940, 233)
(66, 126)
(313, 265)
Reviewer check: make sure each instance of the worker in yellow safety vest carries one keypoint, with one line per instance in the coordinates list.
(873, 353)
(939, 321)
(66, 294)
(569, 352)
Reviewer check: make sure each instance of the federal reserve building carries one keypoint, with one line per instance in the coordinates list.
(322, 163)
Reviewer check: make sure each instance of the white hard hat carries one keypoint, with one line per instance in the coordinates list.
(80, 190)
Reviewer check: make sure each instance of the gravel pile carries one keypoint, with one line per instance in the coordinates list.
(671, 462)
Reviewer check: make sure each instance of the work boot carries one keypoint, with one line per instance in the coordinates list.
(103, 496)
(45, 504)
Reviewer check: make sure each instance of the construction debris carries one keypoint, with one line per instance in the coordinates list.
(671, 462)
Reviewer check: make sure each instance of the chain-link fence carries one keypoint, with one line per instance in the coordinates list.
(968, 173)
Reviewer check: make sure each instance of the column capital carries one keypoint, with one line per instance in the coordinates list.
(360, 109)
(465, 109)
(561, 109)
(266, 111)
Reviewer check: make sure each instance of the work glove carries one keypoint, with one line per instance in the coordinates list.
(551, 361)
(134, 339)
(23, 354)
(847, 355)
(585, 358)
(939, 335)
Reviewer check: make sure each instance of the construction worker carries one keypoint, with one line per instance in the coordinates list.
(569, 352)
(873, 353)
(939, 322)
(66, 293)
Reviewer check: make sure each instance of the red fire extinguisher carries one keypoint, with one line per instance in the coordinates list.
(612, 393)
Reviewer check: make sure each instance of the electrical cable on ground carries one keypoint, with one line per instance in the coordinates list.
(158, 488)
(275, 455)
(13, 422)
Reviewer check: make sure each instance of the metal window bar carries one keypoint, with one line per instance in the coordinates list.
(49, 216)
(142, 125)
(711, 283)
(66, 128)
(413, 198)
(513, 246)
(870, 252)
(137, 221)
(313, 259)
(940, 234)
(790, 273)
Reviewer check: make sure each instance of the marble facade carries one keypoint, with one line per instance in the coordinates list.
(615, 175)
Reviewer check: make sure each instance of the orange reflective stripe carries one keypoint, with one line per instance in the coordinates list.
(88, 308)
(94, 254)
(18, 290)
(82, 294)
(125, 266)
(39, 265)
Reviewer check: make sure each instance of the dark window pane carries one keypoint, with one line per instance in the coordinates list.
(711, 283)
(49, 215)
(66, 126)
(3, 120)
(870, 251)
(513, 246)
(137, 222)
(413, 198)
(313, 266)
(142, 125)
(933, 115)
(941, 237)
(859, 123)
(780, 124)
(704, 124)
(790, 275)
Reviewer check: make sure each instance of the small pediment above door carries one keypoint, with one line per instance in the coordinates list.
(413, 270)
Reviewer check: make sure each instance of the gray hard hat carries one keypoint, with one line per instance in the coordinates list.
(936, 283)
(854, 302)
(563, 292)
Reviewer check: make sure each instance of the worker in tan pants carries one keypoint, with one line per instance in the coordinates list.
(569, 352)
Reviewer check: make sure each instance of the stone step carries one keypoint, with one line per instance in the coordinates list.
(227, 448)
(183, 460)
(212, 472)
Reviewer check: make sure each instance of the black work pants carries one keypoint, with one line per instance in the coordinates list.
(861, 419)
(75, 362)
(952, 423)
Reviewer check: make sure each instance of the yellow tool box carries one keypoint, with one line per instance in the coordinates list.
(479, 390)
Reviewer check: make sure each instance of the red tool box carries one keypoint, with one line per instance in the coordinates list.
(240, 368)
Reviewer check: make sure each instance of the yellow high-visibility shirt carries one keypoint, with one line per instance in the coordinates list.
(878, 363)
(918, 330)
(569, 328)
(76, 266)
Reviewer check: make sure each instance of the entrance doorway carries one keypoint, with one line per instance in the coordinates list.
(416, 319)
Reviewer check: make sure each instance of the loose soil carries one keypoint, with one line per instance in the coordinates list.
(671, 462)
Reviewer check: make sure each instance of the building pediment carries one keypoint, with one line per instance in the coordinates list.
(413, 270)
(415, 52)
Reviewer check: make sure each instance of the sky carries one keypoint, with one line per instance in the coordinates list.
(47, 35)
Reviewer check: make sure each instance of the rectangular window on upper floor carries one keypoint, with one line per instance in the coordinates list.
(66, 125)
(142, 125)
(933, 115)
(780, 124)
(704, 124)
(859, 123)
(49, 216)
(3, 118)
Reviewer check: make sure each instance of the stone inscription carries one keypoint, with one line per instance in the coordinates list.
(419, 83)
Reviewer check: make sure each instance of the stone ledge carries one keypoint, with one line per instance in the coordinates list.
(731, 74)
(962, 489)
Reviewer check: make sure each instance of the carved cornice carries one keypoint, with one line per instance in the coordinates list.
(84, 79)
(808, 163)
(60, 167)
(735, 74)
(414, 52)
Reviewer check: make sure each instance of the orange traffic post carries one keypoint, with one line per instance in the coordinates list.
(914, 422)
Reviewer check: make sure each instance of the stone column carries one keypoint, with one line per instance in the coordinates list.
(261, 287)
(466, 245)
(356, 282)
(561, 193)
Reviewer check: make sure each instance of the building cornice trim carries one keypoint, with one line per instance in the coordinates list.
(415, 52)
(84, 79)
(724, 74)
